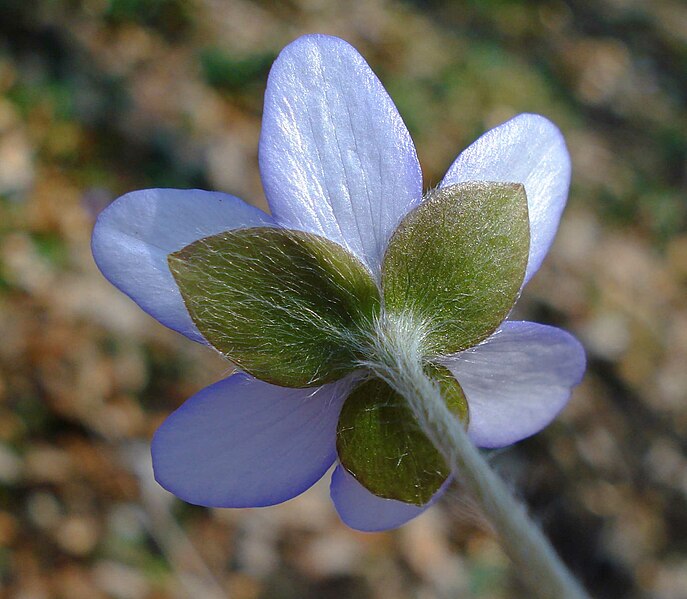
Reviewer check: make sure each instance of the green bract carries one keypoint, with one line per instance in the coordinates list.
(288, 307)
(457, 262)
(381, 445)
(297, 310)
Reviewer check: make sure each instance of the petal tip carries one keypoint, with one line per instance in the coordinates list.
(361, 510)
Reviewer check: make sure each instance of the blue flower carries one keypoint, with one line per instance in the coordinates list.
(336, 160)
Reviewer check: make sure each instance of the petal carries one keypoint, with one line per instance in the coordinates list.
(360, 509)
(528, 149)
(517, 380)
(245, 443)
(335, 156)
(133, 236)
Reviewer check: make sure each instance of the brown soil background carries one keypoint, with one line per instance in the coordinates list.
(100, 97)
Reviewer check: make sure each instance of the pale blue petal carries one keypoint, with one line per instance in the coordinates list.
(133, 236)
(360, 509)
(528, 149)
(245, 443)
(335, 156)
(517, 380)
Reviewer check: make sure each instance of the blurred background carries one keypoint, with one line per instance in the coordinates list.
(100, 97)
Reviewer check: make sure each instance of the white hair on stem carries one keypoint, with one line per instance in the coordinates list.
(397, 348)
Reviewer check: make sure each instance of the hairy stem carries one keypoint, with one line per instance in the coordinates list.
(535, 560)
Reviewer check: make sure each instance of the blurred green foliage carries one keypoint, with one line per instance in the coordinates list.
(225, 71)
(172, 18)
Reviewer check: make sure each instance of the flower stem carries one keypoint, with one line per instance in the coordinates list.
(535, 560)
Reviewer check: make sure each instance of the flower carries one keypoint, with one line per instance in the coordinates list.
(337, 162)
